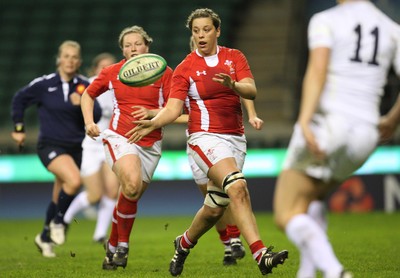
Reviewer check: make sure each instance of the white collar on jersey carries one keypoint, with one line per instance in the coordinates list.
(198, 53)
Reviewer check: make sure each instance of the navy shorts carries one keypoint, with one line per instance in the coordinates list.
(49, 151)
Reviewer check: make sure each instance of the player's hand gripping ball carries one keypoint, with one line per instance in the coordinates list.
(142, 70)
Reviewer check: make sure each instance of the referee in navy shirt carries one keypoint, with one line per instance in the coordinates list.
(62, 129)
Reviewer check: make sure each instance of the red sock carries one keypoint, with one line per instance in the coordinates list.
(223, 236)
(233, 231)
(256, 249)
(186, 242)
(126, 214)
(114, 229)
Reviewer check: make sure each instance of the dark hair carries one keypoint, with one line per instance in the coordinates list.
(201, 13)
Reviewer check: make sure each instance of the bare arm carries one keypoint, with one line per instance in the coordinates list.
(182, 119)
(313, 84)
(87, 106)
(142, 113)
(167, 115)
(256, 122)
(19, 138)
(389, 122)
(246, 88)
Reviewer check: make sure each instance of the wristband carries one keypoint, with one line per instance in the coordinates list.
(19, 127)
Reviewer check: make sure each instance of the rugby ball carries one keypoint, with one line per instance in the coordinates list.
(142, 70)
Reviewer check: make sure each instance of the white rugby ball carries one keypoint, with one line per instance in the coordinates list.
(142, 70)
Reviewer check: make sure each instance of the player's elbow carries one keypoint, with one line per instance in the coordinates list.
(251, 96)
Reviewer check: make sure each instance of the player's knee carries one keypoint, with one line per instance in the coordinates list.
(237, 180)
(281, 219)
(132, 189)
(216, 199)
(278, 221)
(212, 214)
(94, 197)
(73, 184)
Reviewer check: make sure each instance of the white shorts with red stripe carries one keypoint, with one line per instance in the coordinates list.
(207, 149)
(198, 175)
(117, 146)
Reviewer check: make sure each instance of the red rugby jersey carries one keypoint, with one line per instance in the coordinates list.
(153, 96)
(213, 107)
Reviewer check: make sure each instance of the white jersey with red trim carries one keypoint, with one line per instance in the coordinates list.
(153, 96)
(213, 107)
(364, 43)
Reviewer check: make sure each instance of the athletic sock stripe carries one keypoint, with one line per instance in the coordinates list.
(126, 216)
(114, 220)
(187, 239)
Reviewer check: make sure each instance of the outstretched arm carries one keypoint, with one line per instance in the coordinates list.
(255, 121)
(87, 107)
(389, 122)
(246, 88)
(142, 113)
(167, 115)
(313, 84)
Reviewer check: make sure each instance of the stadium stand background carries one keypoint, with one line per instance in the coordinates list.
(271, 33)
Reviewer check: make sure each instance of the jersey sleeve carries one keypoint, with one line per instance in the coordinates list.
(24, 98)
(100, 84)
(242, 67)
(180, 83)
(319, 32)
(166, 81)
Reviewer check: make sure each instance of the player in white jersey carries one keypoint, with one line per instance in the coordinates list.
(101, 184)
(352, 47)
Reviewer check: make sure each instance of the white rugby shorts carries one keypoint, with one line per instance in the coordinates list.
(347, 143)
(116, 146)
(198, 175)
(93, 156)
(206, 149)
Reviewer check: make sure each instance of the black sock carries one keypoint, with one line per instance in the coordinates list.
(50, 214)
(64, 200)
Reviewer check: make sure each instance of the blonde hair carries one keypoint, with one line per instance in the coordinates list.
(68, 43)
(134, 29)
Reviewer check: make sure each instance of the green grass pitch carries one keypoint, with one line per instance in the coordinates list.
(367, 244)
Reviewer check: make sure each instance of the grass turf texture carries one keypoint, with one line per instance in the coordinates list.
(367, 244)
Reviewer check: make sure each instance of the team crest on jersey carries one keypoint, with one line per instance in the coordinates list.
(80, 88)
(230, 65)
(198, 72)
